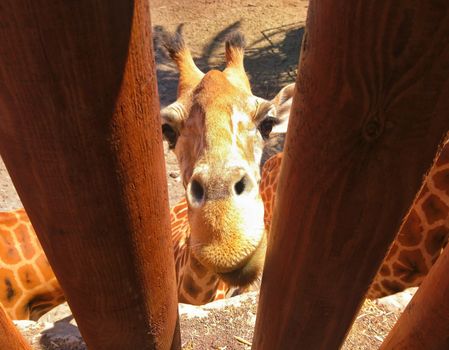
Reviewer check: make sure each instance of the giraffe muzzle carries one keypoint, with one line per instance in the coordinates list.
(231, 183)
(251, 271)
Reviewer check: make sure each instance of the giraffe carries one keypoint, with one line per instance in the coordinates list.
(217, 129)
(184, 123)
(424, 231)
(198, 285)
(422, 235)
(208, 268)
(28, 286)
(419, 241)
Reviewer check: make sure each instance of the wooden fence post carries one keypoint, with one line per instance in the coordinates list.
(80, 135)
(10, 337)
(371, 106)
(424, 324)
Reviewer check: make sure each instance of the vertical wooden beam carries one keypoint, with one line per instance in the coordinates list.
(425, 322)
(10, 337)
(80, 136)
(371, 106)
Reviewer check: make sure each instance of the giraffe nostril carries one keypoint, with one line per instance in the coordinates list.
(240, 186)
(196, 191)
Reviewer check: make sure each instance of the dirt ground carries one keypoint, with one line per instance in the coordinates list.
(232, 328)
(273, 31)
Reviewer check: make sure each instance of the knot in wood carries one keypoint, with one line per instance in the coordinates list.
(372, 130)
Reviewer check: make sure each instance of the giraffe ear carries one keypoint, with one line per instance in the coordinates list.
(265, 117)
(282, 104)
(172, 120)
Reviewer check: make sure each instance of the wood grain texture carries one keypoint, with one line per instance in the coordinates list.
(10, 337)
(80, 135)
(371, 107)
(424, 324)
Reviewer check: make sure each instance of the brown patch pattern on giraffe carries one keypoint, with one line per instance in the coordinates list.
(385, 270)
(190, 287)
(24, 238)
(411, 231)
(441, 181)
(197, 267)
(434, 209)
(20, 278)
(376, 287)
(435, 239)
(8, 250)
(268, 192)
(28, 277)
(9, 289)
(410, 265)
(8, 219)
(392, 286)
(268, 186)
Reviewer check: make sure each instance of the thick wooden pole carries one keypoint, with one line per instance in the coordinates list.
(80, 136)
(425, 322)
(10, 337)
(371, 106)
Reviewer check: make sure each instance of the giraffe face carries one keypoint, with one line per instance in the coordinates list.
(217, 129)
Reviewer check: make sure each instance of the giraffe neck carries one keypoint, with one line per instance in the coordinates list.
(196, 284)
(28, 287)
(422, 236)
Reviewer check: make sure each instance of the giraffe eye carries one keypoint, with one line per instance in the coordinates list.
(170, 135)
(266, 126)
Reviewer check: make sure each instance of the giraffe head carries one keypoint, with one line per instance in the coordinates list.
(217, 129)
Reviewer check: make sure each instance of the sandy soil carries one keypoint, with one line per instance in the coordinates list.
(273, 31)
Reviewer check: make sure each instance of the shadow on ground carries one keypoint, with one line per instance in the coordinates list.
(270, 60)
(63, 335)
